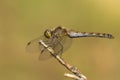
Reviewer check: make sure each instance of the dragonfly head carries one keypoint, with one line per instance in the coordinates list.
(48, 33)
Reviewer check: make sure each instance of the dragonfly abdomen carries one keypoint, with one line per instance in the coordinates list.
(92, 34)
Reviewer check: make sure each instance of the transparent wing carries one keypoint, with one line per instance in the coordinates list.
(45, 55)
(59, 42)
(64, 40)
(58, 45)
(35, 47)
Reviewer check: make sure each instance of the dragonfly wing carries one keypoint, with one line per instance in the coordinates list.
(35, 47)
(56, 45)
(66, 42)
(45, 55)
(61, 44)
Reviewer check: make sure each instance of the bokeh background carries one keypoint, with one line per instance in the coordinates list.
(24, 20)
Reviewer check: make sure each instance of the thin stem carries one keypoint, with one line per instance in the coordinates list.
(76, 73)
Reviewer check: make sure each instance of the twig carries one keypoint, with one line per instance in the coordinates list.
(76, 73)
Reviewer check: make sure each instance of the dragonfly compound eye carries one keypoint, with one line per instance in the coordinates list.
(48, 33)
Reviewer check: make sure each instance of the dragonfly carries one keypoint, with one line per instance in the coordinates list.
(59, 39)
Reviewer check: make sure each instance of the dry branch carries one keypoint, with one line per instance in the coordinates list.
(76, 73)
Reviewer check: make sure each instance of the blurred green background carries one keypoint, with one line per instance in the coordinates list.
(24, 20)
